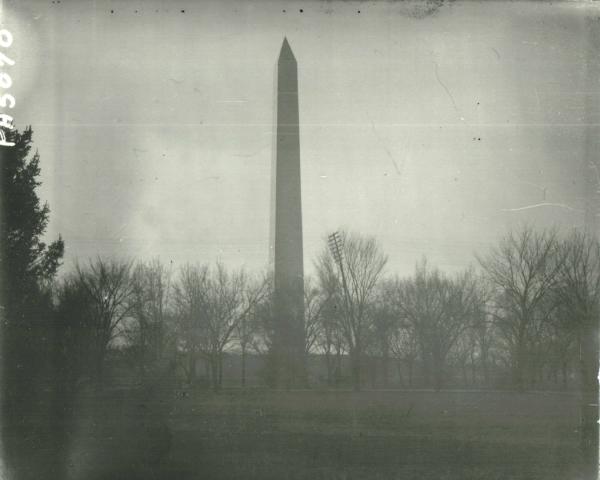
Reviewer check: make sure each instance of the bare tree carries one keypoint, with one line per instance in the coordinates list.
(75, 327)
(211, 305)
(439, 309)
(330, 340)
(245, 332)
(227, 299)
(264, 316)
(459, 356)
(190, 329)
(480, 331)
(524, 268)
(384, 324)
(402, 337)
(151, 289)
(562, 338)
(353, 275)
(315, 301)
(404, 345)
(249, 329)
(109, 290)
(578, 289)
(482, 328)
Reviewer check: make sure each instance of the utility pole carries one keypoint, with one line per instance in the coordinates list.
(335, 246)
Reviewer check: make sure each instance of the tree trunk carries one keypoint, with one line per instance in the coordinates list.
(519, 367)
(400, 375)
(99, 369)
(373, 364)
(473, 370)
(385, 368)
(328, 362)
(191, 368)
(142, 352)
(426, 365)
(243, 365)
(355, 359)
(589, 398)
(338, 367)
(220, 364)
(438, 369)
(485, 366)
(214, 372)
(160, 339)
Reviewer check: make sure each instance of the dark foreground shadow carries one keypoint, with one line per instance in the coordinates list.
(146, 433)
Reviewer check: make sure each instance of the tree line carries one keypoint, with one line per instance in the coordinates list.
(529, 309)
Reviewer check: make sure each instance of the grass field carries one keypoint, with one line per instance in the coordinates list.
(325, 435)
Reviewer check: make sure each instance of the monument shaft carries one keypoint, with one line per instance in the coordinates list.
(289, 270)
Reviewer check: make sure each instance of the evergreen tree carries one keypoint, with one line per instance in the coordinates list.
(25, 260)
(27, 266)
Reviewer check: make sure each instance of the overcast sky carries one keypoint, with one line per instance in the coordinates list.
(434, 129)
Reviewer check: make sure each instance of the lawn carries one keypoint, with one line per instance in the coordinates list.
(259, 434)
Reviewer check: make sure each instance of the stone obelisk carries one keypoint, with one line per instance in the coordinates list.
(289, 362)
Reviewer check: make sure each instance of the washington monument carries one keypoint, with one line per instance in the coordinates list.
(288, 348)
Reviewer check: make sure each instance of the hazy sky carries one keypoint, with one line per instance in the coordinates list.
(430, 128)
